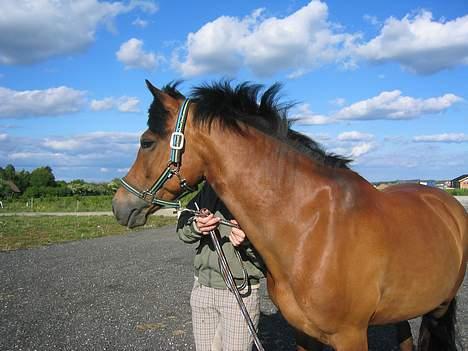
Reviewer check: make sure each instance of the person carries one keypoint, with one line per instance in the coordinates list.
(217, 321)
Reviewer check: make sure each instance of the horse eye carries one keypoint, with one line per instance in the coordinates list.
(146, 144)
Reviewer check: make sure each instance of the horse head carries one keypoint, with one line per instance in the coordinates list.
(166, 165)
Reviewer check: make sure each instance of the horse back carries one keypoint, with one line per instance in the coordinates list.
(428, 201)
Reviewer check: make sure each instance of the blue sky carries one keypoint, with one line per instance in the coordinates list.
(385, 83)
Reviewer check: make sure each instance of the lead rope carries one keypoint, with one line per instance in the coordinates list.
(231, 284)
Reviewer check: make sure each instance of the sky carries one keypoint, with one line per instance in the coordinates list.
(382, 82)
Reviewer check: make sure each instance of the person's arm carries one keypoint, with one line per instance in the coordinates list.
(237, 235)
(190, 228)
(240, 241)
(188, 232)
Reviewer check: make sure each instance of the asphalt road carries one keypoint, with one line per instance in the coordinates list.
(123, 293)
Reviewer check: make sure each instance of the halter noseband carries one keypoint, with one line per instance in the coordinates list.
(173, 166)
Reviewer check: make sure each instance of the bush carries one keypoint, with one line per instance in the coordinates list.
(458, 192)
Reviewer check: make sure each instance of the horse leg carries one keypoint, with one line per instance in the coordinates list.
(350, 340)
(437, 330)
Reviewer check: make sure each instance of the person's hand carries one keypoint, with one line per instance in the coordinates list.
(206, 222)
(237, 235)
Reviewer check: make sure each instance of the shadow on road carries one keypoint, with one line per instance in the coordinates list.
(276, 334)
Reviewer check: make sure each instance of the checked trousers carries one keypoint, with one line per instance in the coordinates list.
(218, 323)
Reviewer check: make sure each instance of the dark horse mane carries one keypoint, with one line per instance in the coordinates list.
(244, 103)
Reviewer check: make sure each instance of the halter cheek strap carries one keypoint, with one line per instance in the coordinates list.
(176, 144)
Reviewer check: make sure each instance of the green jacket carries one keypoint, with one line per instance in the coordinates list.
(206, 264)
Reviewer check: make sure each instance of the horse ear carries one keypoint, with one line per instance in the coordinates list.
(154, 91)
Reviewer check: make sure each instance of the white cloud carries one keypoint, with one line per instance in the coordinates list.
(35, 156)
(304, 116)
(41, 29)
(123, 104)
(132, 55)
(362, 149)
(34, 103)
(297, 43)
(354, 145)
(307, 39)
(354, 136)
(442, 138)
(389, 105)
(147, 6)
(419, 43)
(393, 105)
(414, 161)
(140, 23)
(75, 156)
(102, 141)
(128, 104)
(63, 144)
(102, 105)
(371, 19)
(350, 144)
(319, 137)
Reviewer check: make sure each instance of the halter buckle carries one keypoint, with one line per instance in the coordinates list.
(147, 196)
(177, 141)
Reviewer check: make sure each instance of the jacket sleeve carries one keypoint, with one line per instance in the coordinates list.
(189, 233)
(252, 255)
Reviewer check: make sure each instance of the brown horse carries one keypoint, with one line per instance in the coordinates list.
(340, 254)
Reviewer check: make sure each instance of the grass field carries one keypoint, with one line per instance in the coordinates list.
(64, 204)
(19, 232)
(59, 204)
(458, 192)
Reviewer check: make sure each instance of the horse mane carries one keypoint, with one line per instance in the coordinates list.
(311, 148)
(245, 103)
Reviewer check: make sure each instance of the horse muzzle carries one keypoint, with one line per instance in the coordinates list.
(129, 210)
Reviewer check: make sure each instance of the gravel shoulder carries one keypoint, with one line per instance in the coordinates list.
(127, 292)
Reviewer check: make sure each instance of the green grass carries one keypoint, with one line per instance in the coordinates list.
(59, 204)
(18, 232)
(65, 204)
(458, 192)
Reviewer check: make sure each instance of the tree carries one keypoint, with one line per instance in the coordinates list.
(113, 185)
(23, 180)
(42, 177)
(9, 173)
(5, 190)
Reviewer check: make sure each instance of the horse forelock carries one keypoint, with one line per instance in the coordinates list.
(246, 103)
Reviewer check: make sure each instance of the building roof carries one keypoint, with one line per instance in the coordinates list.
(12, 185)
(460, 178)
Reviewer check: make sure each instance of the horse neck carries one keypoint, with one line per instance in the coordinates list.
(256, 176)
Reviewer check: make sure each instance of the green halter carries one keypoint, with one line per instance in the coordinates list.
(173, 166)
